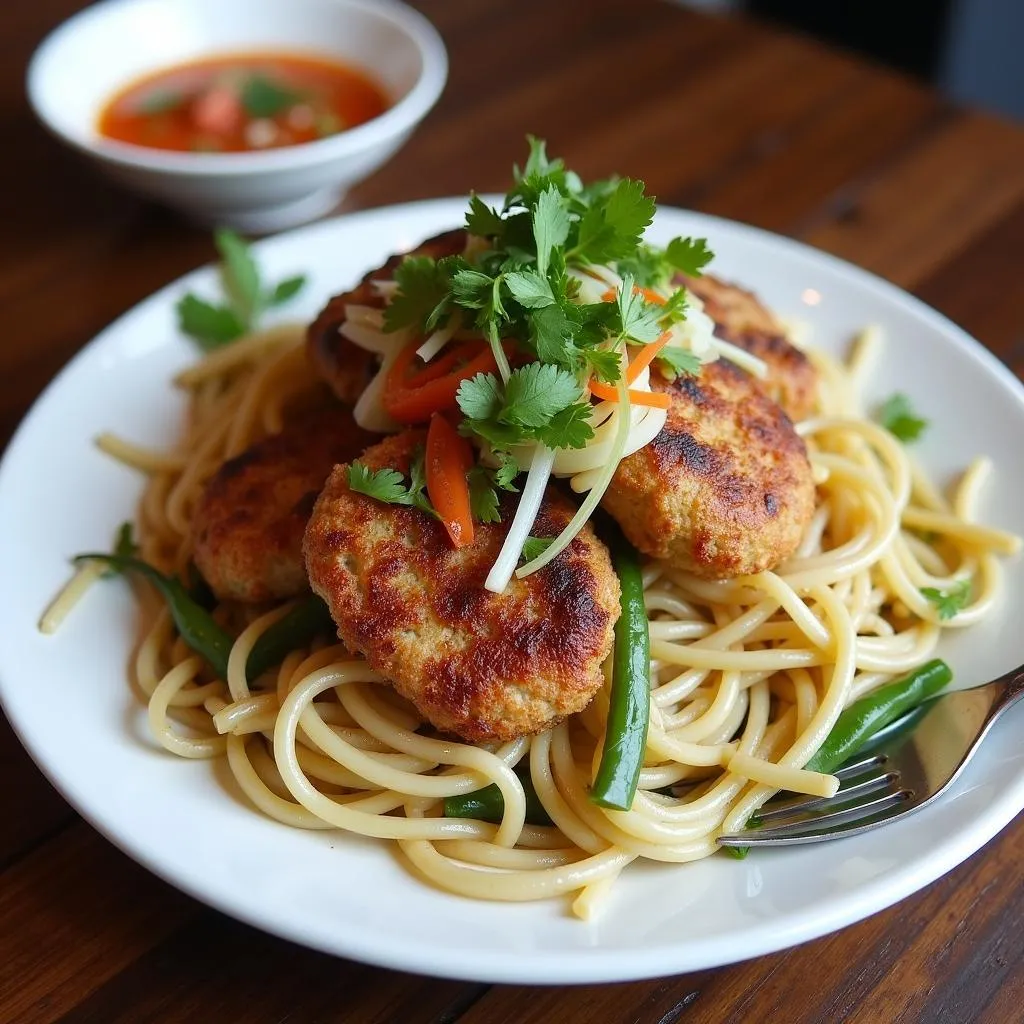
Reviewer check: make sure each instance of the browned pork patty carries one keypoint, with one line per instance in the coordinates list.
(480, 665)
(346, 367)
(742, 319)
(247, 530)
(725, 488)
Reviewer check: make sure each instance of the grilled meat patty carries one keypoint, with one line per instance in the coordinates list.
(346, 367)
(248, 527)
(725, 488)
(742, 319)
(480, 665)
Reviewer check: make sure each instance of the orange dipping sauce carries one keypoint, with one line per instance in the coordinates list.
(240, 103)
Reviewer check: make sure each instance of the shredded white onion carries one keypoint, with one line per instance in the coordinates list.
(437, 341)
(578, 521)
(526, 512)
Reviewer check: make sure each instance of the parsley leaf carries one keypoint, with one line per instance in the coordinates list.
(611, 230)
(534, 547)
(388, 485)
(483, 220)
(949, 602)
(550, 225)
(530, 289)
(483, 500)
(689, 255)
(899, 418)
(481, 397)
(569, 428)
(240, 275)
(423, 286)
(674, 362)
(537, 392)
(285, 290)
(639, 318)
(214, 325)
(211, 326)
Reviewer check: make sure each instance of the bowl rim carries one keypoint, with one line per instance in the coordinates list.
(398, 118)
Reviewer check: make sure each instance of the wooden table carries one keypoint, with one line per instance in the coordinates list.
(724, 116)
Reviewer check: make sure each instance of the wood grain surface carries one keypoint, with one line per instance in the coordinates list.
(719, 114)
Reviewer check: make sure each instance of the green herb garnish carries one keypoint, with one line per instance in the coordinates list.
(534, 547)
(212, 325)
(388, 485)
(949, 601)
(263, 97)
(897, 415)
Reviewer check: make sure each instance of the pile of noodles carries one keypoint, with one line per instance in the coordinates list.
(748, 675)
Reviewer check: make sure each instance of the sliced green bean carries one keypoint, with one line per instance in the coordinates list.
(630, 703)
(488, 804)
(296, 629)
(867, 716)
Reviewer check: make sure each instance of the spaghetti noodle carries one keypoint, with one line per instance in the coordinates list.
(748, 675)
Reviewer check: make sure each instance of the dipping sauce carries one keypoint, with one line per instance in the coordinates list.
(239, 103)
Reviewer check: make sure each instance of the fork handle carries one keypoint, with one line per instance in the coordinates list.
(1012, 685)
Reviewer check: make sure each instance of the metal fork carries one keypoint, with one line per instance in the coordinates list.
(904, 769)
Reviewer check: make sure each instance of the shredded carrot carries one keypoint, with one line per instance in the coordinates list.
(648, 293)
(654, 399)
(446, 459)
(645, 357)
(413, 396)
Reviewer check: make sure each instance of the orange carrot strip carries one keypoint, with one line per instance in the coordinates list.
(654, 399)
(648, 293)
(645, 356)
(445, 460)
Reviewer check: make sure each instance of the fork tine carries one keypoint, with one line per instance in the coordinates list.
(861, 786)
(860, 766)
(823, 826)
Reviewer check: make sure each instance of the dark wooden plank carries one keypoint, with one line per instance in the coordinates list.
(75, 913)
(217, 969)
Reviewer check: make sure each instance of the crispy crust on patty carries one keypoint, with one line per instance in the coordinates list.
(725, 488)
(480, 665)
(742, 319)
(248, 527)
(346, 367)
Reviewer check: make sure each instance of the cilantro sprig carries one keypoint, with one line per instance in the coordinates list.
(389, 486)
(523, 286)
(898, 416)
(212, 325)
(951, 600)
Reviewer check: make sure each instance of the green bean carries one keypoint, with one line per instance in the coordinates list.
(488, 804)
(867, 716)
(195, 625)
(298, 626)
(630, 702)
(200, 631)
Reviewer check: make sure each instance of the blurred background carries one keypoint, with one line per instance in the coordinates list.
(970, 49)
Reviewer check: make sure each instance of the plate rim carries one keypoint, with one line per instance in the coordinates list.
(576, 965)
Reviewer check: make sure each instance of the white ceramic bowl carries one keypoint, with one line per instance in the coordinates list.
(85, 60)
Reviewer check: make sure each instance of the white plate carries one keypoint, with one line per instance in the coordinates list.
(68, 698)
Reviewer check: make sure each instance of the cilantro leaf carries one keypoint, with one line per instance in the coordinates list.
(285, 290)
(949, 602)
(481, 397)
(611, 230)
(483, 500)
(530, 289)
(569, 428)
(647, 266)
(689, 255)
(537, 392)
(534, 547)
(472, 289)
(482, 220)
(211, 326)
(423, 285)
(550, 335)
(507, 471)
(382, 484)
(605, 364)
(674, 362)
(263, 97)
(240, 274)
(899, 418)
(550, 225)
(639, 318)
